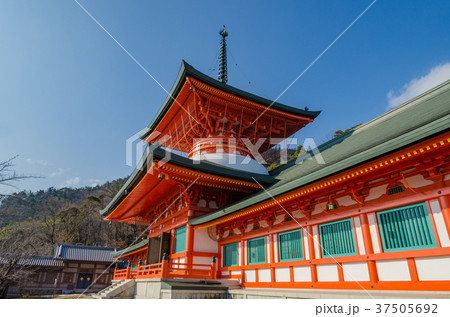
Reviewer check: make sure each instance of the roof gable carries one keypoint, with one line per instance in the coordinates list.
(83, 253)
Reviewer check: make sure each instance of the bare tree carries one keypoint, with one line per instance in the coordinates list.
(8, 177)
(17, 243)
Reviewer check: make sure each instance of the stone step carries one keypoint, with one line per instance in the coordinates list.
(105, 292)
(230, 283)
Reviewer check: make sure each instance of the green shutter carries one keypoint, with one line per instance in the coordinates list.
(290, 245)
(180, 240)
(405, 228)
(256, 251)
(230, 254)
(336, 238)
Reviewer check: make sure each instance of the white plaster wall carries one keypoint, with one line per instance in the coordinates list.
(345, 201)
(296, 214)
(225, 273)
(239, 253)
(264, 275)
(315, 230)
(201, 260)
(305, 244)
(318, 209)
(373, 233)
(213, 205)
(275, 247)
(327, 273)
(282, 274)
(440, 224)
(356, 272)
(175, 261)
(250, 276)
(376, 192)
(393, 270)
(302, 274)
(237, 231)
(416, 181)
(268, 251)
(433, 269)
(279, 219)
(359, 236)
(203, 243)
(245, 253)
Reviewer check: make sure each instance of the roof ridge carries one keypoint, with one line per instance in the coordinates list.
(360, 127)
(405, 105)
(85, 246)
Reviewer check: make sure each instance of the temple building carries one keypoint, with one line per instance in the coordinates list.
(72, 269)
(366, 211)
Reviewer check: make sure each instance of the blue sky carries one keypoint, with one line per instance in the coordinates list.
(70, 96)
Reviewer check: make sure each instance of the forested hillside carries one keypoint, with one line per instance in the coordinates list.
(65, 215)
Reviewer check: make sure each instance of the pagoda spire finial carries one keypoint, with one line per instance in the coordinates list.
(223, 76)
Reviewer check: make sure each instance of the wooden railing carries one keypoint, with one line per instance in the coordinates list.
(183, 270)
(124, 274)
(169, 270)
(149, 271)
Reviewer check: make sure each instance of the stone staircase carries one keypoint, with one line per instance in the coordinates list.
(169, 288)
(230, 283)
(118, 289)
(194, 289)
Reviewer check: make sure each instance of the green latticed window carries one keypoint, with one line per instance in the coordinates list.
(180, 240)
(290, 245)
(230, 254)
(337, 239)
(405, 228)
(256, 251)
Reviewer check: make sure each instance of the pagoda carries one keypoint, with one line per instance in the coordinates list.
(212, 134)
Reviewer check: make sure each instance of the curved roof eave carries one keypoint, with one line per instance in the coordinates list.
(188, 70)
(175, 159)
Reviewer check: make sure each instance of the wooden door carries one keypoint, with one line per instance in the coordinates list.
(153, 250)
(157, 246)
(84, 280)
(164, 245)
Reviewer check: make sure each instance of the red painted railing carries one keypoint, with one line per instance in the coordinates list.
(169, 270)
(124, 274)
(149, 271)
(183, 270)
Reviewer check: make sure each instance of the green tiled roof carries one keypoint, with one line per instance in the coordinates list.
(188, 70)
(415, 120)
(134, 247)
(176, 159)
